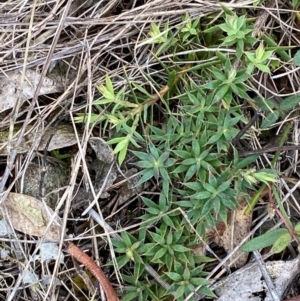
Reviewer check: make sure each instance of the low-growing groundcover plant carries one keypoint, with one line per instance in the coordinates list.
(181, 138)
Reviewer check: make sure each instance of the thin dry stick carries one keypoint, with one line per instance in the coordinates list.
(166, 88)
(89, 263)
(266, 276)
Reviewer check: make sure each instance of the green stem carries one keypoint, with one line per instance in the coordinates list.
(273, 163)
(281, 208)
(271, 43)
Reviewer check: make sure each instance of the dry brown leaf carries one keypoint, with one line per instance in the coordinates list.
(248, 283)
(103, 151)
(9, 87)
(62, 136)
(30, 216)
(230, 235)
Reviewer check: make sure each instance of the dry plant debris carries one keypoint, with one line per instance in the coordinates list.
(59, 137)
(53, 56)
(10, 87)
(30, 216)
(232, 233)
(79, 255)
(248, 283)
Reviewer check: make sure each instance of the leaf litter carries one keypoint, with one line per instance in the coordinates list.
(113, 34)
(30, 216)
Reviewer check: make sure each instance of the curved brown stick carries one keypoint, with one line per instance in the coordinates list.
(89, 263)
(166, 88)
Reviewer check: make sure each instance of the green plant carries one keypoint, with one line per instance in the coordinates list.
(279, 239)
(167, 246)
(185, 280)
(56, 154)
(140, 288)
(165, 39)
(184, 130)
(127, 246)
(190, 30)
(258, 59)
(154, 164)
(227, 83)
(238, 32)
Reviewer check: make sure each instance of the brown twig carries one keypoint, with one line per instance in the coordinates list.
(269, 150)
(290, 229)
(89, 263)
(166, 88)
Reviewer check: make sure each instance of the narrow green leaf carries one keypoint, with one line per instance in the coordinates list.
(115, 140)
(133, 142)
(209, 188)
(141, 155)
(264, 104)
(281, 243)
(218, 74)
(174, 276)
(171, 78)
(206, 291)
(146, 176)
(109, 84)
(102, 101)
(122, 154)
(212, 29)
(227, 10)
(214, 138)
(164, 174)
(190, 172)
(221, 92)
(263, 68)
(186, 274)
(169, 261)
(264, 240)
(117, 243)
(160, 253)
(199, 281)
(270, 119)
(163, 157)
(141, 89)
(153, 211)
(189, 161)
(297, 229)
(201, 195)
(121, 145)
(214, 84)
(180, 248)
(208, 206)
(122, 260)
(157, 238)
(196, 186)
(168, 221)
(224, 186)
(245, 162)
(297, 58)
(149, 202)
(144, 164)
(182, 154)
(130, 296)
(290, 102)
(180, 291)
(180, 169)
(186, 204)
